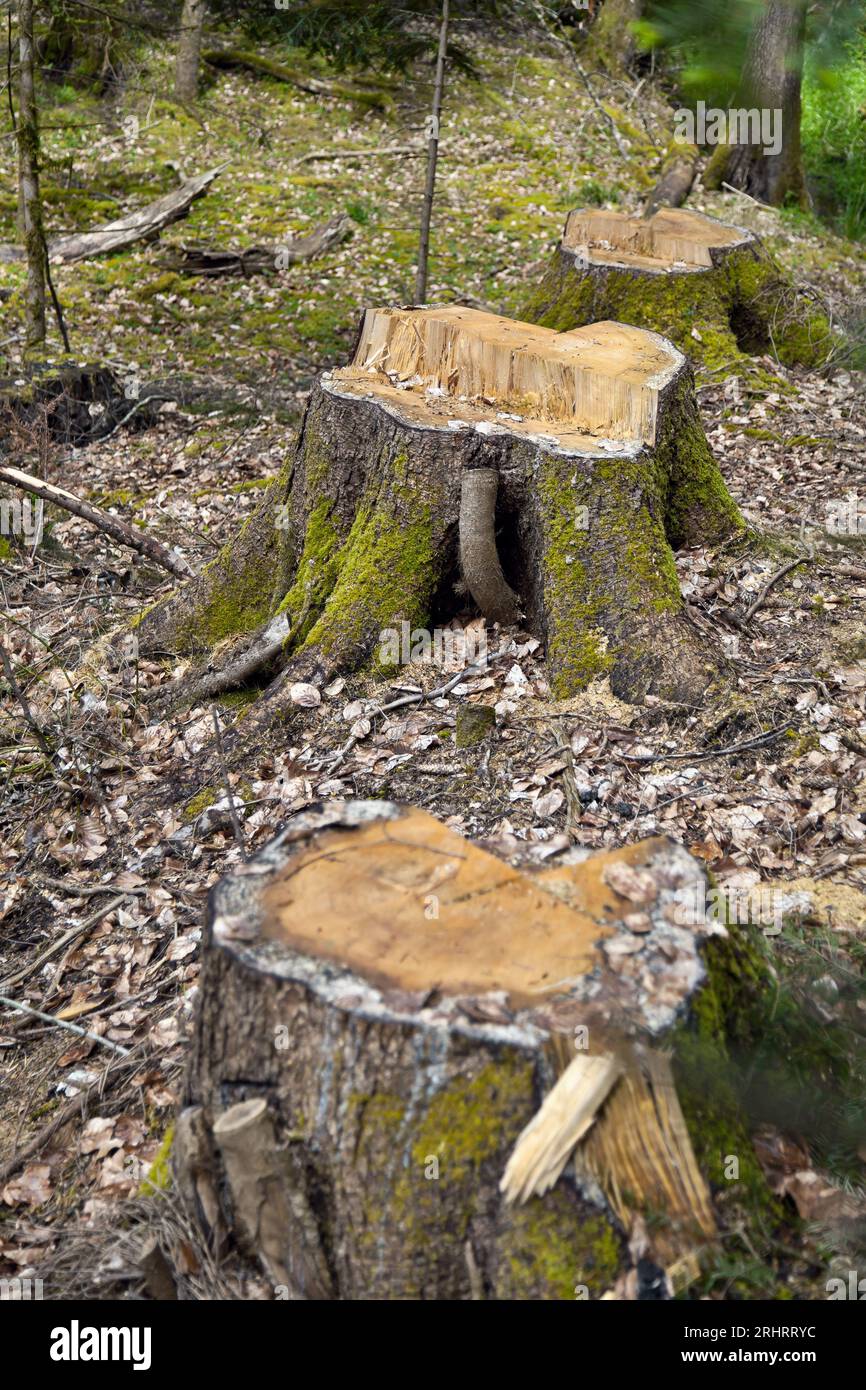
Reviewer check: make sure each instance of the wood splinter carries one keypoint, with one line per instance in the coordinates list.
(264, 1215)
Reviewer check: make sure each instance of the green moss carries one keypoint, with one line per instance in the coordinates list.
(543, 1250)
(719, 318)
(474, 724)
(699, 509)
(238, 699)
(159, 1177)
(461, 1128)
(387, 573)
(577, 647)
(632, 508)
(721, 1021)
(200, 802)
(168, 283)
(239, 597)
(384, 571)
(316, 573)
(464, 1133)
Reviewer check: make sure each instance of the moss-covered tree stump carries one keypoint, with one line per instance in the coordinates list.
(711, 288)
(419, 1072)
(553, 472)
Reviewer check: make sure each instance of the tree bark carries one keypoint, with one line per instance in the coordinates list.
(383, 1008)
(772, 80)
(711, 288)
(432, 158)
(31, 202)
(362, 531)
(675, 185)
(189, 50)
(611, 41)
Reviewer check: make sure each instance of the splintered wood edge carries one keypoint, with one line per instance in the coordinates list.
(592, 390)
(625, 988)
(659, 245)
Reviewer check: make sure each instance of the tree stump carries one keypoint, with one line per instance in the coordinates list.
(711, 288)
(555, 470)
(420, 1072)
(74, 403)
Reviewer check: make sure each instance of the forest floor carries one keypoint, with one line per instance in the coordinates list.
(766, 783)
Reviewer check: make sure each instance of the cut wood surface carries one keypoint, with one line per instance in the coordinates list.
(595, 464)
(672, 239)
(601, 381)
(403, 1001)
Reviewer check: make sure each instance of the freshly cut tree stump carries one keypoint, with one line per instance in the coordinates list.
(556, 470)
(419, 1072)
(711, 288)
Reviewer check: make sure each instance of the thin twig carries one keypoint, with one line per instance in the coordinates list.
(111, 525)
(601, 109)
(79, 890)
(370, 152)
(422, 695)
(774, 579)
(236, 825)
(62, 941)
(63, 1116)
(741, 193)
(61, 322)
(29, 716)
(696, 756)
(63, 1023)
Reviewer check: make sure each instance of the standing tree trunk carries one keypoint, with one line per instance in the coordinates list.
(583, 450)
(189, 50)
(28, 165)
(611, 41)
(772, 80)
(384, 1007)
(432, 158)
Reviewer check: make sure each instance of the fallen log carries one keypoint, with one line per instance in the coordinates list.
(197, 259)
(371, 152)
(678, 175)
(119, 531)
(145, 224)
(594, 464)
(375, 96)
(711, 288)
(382, 1009)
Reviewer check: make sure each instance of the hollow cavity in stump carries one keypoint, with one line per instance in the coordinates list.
(561, 468)
(402, 1002)
(710, 287)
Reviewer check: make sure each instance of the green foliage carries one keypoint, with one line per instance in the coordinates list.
(703, 43)
(705, 40)
(834, 140)
(593, 194)
(383, 34)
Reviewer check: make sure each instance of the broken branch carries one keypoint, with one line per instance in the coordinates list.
(111, 525)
